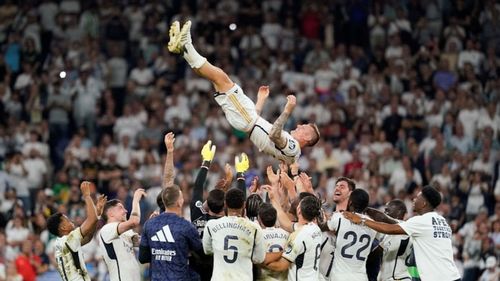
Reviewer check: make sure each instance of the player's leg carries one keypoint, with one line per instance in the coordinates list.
(181, 43)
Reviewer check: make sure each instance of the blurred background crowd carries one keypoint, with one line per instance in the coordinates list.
(405, 93)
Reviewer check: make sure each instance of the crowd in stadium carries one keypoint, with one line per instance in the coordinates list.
(405, 94)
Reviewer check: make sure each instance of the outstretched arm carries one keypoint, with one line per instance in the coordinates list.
(135, 215)
(99, 206)
(377, 226)
(207, 153)
(168, 170)
(272, 191)
(88, 226)
(241, 164)
(379, 216)
(262, 95)
(275, 135)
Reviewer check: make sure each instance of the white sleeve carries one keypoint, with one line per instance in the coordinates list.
(74, 240)
(334, 222)
(414, 226)
(207, 240)
(292, 147)
(109, 232)
(295, 247)
(259, 249)
(497, 185)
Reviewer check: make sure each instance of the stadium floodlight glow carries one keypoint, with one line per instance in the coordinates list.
(233, 26)
(62, 74)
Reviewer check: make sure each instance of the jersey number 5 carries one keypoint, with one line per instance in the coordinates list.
(233, 248)
(364, 240)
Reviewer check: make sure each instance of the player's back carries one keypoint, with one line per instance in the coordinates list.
(275, 239)
(170, 238)
(259, 135)
(69, 258)
(352, 247)
(396, 248)
(236, 243)
(327, 255)
(303, 250)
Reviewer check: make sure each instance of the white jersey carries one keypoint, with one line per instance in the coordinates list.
(118, 252)
(69, 258)
(303, 251)
(352, 247)
(241, 113)
(275, 240)
(236, 243)
(396, 249)
(327, 255)
(431, 238)
(259, 135)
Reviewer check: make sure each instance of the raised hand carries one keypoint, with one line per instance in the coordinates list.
(272, 192)
(99, 206)
(352, 217)
(273, 178)
(254, 186)
(283, 167)
(222, 185)
(138, 194)
(263, 92)
(241, 163)
(85, 188)
(307, 183)
(208, 151)
(169, 141)
(228, 176)
(286, 181)
(291, 102)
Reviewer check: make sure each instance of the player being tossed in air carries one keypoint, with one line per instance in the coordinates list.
(241, 112)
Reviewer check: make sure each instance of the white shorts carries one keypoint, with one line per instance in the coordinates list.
(239, 109)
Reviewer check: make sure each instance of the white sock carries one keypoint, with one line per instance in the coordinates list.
(192, 57)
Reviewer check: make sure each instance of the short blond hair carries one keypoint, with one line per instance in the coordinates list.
(316, 137)
(170, 195)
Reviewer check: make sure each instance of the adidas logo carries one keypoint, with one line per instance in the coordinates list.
(163, 235)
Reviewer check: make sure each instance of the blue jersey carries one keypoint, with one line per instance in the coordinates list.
(169, 239)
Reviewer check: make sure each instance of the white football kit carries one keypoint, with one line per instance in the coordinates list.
(275, 240)
(236, 243)
(241, 114)
(69, 258)
(118, 252)
(431, 237)
(303, 252)
(327, 255)
(352, 247)
(396, 249)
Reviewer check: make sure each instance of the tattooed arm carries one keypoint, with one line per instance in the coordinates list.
(168, 170)
(275, 134)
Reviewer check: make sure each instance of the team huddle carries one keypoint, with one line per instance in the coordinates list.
(274, 231)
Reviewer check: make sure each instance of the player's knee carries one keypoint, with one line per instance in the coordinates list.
(222, 82)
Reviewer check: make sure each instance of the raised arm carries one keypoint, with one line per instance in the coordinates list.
(273, 193)
(262, 95)
(275, 135)
(88, 226)
(207, 154)
(135, 215)
(101, 200)
(241, 165)
(168, 170)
